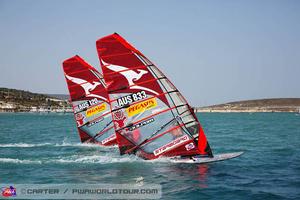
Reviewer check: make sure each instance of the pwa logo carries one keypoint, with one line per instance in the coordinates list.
(8, 191)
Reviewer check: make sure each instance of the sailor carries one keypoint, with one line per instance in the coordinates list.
(136, 136)
(176, 132)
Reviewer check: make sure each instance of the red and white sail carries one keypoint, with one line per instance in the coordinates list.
(151, 117)
(90, 103)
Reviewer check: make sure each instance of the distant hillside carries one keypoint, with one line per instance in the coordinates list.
(13, 100)
(59, 96)
(20, 100)
(259, 105)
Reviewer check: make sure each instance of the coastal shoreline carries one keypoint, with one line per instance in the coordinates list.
(290, 105)
(15, 101)
(46, 112)
(240, 111)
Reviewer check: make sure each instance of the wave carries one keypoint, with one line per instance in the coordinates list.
(104, 159)
(23, 145)
(64, 144)
(73, 159)
(18, 161)
(84, 159)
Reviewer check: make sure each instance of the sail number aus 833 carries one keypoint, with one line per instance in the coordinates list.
(131, 98)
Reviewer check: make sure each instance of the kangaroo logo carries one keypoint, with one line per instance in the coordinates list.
(87, 86)
(130, 75)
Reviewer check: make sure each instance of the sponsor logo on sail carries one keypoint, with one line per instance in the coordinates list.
(139, 125)
(119, 118)
(189, 146)
(79, 119)
(171, 145)
(141, 107)
(110, 138)
(95, 122)
(95, 110)
(131, 75)
(88, 87)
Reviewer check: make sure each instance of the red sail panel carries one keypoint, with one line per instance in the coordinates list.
(151, 117)
(89, 99)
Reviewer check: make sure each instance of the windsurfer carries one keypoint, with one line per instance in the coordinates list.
(136, 136)
(122, 64)
(176, 132)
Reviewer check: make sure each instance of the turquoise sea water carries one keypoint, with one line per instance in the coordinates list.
(45, 148)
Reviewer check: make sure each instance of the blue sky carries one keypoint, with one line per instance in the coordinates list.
(213, 51)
